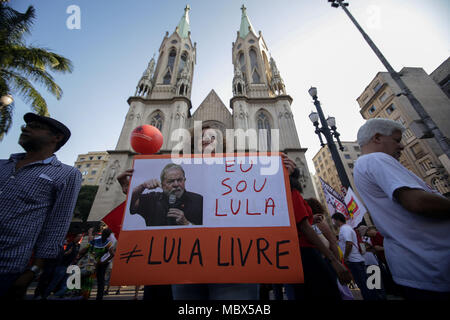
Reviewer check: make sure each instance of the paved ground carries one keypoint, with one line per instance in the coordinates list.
(128, 293)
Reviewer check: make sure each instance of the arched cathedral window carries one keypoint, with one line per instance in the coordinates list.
(157, 120)
(170, 64)
(183, 61)
(263, 123)
(254, 66)
(242, 63)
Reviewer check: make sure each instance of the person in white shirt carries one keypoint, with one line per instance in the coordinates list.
(413, 218)
(353, 259)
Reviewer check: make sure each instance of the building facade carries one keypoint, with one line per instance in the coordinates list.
(259, 105)
(326, 169)
(442, 76)
(382, 99)
(92, 166)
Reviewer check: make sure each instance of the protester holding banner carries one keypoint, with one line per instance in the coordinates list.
(319, 281)
(321, 223)
(413, 218)
(208, 291)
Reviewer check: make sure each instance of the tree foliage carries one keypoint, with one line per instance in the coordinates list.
(84, 202)
(22, 65)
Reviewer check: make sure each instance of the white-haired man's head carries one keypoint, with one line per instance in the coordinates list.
(381, 135)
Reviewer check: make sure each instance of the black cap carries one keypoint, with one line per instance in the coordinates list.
(61, 128)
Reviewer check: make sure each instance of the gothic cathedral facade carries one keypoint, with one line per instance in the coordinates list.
(162, 99)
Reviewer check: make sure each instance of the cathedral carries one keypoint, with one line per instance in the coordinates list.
(162, 99)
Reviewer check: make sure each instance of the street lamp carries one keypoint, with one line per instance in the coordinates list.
(425, 118)
(6, 100)
(328, 133)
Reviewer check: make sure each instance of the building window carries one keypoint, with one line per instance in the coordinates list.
(242, 63)
(99, 157)
(88, 165)
(157, 120)
(407, 134)
(79, 166)
(347, 156)
(390, 109)
(183, 60)
(417, 151)
(170, 65)
(401, 121)
(383, 97)
(93, 172)
(439, 185)
(377, 86)
(264, 123)
(350, 165)
(372, 109)
(254, 66)
(356, 148)
(426, 165)
(84, 173)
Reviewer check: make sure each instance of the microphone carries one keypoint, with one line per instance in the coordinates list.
(172, 204)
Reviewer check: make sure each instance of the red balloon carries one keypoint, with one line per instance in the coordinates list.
(146, 139)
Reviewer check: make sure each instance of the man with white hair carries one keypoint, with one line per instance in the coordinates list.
(413, 218)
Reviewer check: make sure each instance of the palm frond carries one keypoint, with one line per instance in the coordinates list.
(29, 94)
(34, 73)
(14, 24)
(5, 120)
(38, 57)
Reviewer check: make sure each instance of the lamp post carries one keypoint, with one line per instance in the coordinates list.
(424, 116)
(6, 100)
(328, 133)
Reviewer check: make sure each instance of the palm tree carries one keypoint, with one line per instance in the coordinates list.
(20, 65)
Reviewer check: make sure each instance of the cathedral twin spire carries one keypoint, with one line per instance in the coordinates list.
(254, 74)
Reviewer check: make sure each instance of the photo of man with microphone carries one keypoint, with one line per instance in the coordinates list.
(173, 206)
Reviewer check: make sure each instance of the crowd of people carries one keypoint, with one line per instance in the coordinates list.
(409, 242)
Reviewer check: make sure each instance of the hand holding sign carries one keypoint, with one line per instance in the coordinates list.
(124, 179)
(288, 163)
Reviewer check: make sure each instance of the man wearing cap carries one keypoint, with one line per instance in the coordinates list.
(413, 218)
(37, 198)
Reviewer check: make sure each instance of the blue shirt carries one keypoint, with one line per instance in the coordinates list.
(36, 207)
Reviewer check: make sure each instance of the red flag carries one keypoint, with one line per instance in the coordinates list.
(114, 219)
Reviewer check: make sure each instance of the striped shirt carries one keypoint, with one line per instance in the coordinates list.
(36, 207)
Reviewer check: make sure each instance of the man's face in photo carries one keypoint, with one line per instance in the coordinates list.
(173, 182)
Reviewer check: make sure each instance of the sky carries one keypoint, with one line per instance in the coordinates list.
(312, 43)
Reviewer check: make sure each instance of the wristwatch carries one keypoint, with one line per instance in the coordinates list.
(36, 270)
